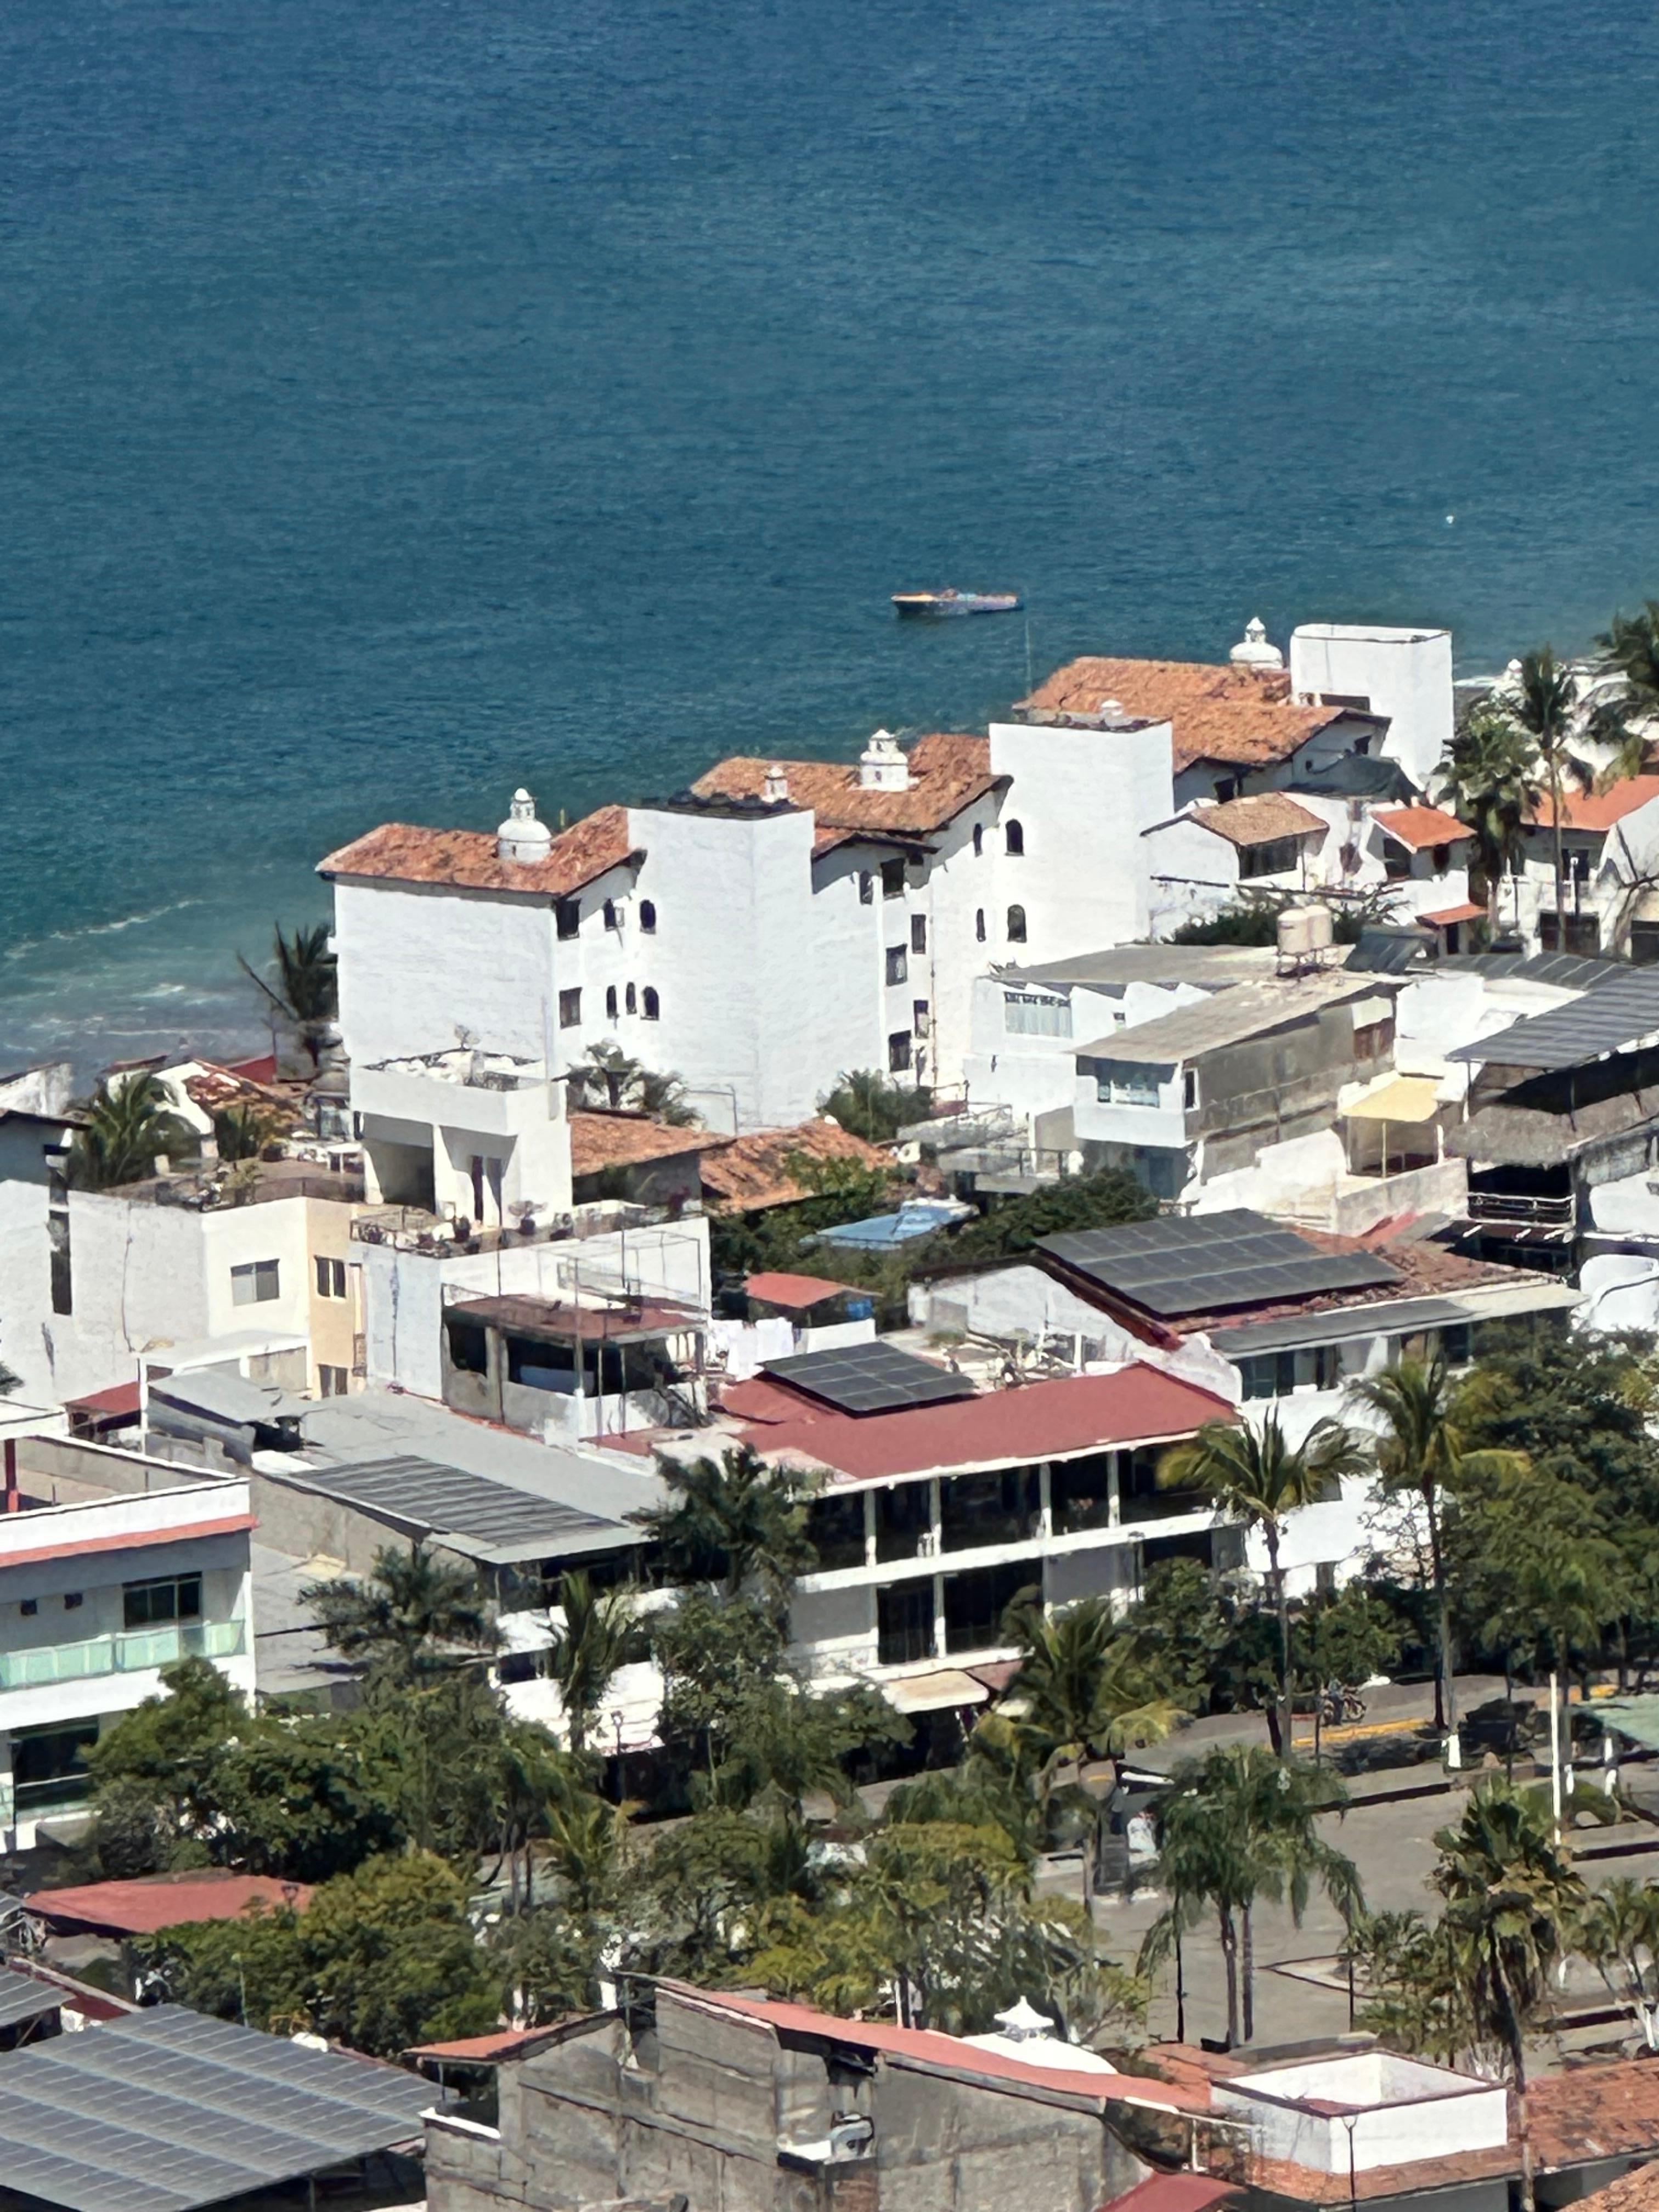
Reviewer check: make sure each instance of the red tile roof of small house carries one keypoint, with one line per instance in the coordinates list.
(151, 1901)
(1598, 809)
(1420, 827)
(601, 1141)
(751, 1172)
(1262, 818)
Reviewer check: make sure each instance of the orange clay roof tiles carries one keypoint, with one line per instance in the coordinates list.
(1219, 713)
(1599, 810)
(1255, 820)
(753, 1171)
(947, 773)
(401, 852)
(612, 1140)
(1416, 827)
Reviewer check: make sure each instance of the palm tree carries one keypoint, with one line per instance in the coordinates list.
(1084, 1689)
(1546, 694)
(733, 1522)
(1419, 1451)
(1629, 649)
(1489, 779)
(412, 1615)
(1617, 1932)
(125, 1125)
(870, 1105)
(1512, 1901)
(586, 1650)
(305, 989)
(624, 1084)
(1256, 1477)
(1234, 1827)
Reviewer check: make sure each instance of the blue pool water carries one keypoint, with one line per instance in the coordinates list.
(401, 401)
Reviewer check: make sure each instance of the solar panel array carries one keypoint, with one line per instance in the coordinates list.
(166, 2110)
(22, 1998)
(870, 1378)
(1199, 1263)
(1615, 1014)
(448, 1501)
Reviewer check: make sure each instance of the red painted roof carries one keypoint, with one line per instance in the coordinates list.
(132, 1539)
(121, 1398)
(1416, 827)
(1469, 911)
(483, 2050)
(798, 1291)
(164, 1900)
(1037, 1420)
(1175, 2192)
(1599, 810)
(950, 2051)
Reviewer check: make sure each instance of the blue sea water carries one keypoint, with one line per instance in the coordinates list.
(399, 402)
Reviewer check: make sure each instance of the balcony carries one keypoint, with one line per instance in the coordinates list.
(1510, 1209)
(133, 1653)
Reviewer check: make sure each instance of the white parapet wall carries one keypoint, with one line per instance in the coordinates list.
(1365, 2109)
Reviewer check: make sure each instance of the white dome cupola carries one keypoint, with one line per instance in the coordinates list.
(521, 838)
(1253, 650)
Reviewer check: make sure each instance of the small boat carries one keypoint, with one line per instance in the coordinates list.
(937, 603)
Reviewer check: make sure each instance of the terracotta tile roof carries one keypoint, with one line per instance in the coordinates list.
(1417, 827)
(1037, 1420)
(401, 852)
(1308, 2185)
(1258, 819)
(1582, 810)
(797, 1293)
(749, 1172)
(1636, 2191)
(1218, 714)
(600, 1140)
(1471, 911)
(1593, 2112)
(150, 1901)
(947, 773)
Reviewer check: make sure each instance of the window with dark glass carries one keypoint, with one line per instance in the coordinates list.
(1013, 838)
(630, 1000)
(834, 1527)
(978, 924)
(1080, 1494)
(897, 964)
(904, 1622)
(469, 1348)
(651, 1004)
(330, 1277)
(904, 1514)
(1016, 925)
(999, 1508)
(892, 879)
(866, 888)
(173, 1597)
(979, 839)
(570, 1009)
(977, 1600)
(1277, 857)
(647, 915)
(898, 1052)
(612, 919)
(918, 932)
(568, 917)
(611, 1002)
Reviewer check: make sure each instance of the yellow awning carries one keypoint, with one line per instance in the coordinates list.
(1404, 1098)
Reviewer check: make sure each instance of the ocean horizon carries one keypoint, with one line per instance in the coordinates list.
(401, 405)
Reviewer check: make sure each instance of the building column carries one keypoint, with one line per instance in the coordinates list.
(939, 1617)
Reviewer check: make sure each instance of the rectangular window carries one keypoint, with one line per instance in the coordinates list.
(834, 1527)
(469, 1348)
(898, 966)
(1269, 1374)
(1276, 858)
(570, 1009)
(1120, 1083)
(866, 888)
(1189, 1089)
(976, 1601)
(975, 1510)
(892, 879)
(330, 1277)
(1080, 1494)
(918, 932)
(332, 1380)
(49, 1765)
(568, 917)
(1033, 1014)
(919, 1017)
(1374, 1040)
(904, 1622)
(255, 1284)
(903, 1518)
(898, 1052)
(174, 1597)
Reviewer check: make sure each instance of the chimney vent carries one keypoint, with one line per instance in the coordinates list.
(776, 789)
(521, 838)
(1253, 652)
(882, 764)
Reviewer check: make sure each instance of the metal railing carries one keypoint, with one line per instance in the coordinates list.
(1518, 1210)
(126, 1654)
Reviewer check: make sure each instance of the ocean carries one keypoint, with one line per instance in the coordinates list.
(400, 402)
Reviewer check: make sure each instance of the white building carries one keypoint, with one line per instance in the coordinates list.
(1610, 887)
(1403, 675)
(111, 1567)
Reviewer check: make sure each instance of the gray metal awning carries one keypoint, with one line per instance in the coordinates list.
(1398, 1318)
(22, 1998)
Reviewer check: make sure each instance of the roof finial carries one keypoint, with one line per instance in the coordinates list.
(1253, 650)
(521, 838)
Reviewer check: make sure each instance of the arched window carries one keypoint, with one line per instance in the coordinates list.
(1016, 925)
(979, 839)
(611, 1003)
(631, 1001)
(978, 924)
(653, 1004)
(647, 915)
(1013, 838)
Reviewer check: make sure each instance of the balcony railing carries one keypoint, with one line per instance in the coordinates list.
(129, 1654)
(1515, 1209)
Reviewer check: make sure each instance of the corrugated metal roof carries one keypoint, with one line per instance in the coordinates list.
(1407, 1318)
(167, 2109)
(494, 1522)
(23, 1999)
(1618, 1013)
(1230, 1018)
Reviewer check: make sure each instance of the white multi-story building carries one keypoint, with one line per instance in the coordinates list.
(111, 1567)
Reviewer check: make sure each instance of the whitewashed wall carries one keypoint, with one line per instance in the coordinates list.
(1407, 674)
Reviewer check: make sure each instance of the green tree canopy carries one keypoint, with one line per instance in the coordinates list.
(733, 1523)
(414, 1614)
(125, 1125)
(302, 984)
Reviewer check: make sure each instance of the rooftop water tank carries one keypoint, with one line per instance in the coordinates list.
(1304, 933)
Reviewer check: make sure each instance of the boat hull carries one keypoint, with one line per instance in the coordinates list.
(936, 606)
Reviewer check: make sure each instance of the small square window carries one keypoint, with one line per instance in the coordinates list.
(256, 1283)
(898, 1052)
(29, 1607)
(570, 1009)
(568, 917)
(72, 1598)
(647, 916)
(332, 1381)
(892, 879)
